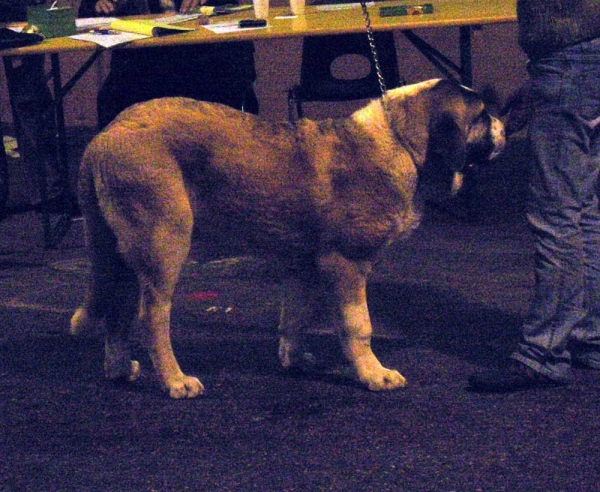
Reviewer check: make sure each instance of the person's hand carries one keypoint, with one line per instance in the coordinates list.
(517, 110)
(188, 6)
(107, 6)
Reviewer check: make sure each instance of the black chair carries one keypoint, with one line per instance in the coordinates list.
(319, 53)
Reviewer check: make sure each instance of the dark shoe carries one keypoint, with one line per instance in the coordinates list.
(516, 377)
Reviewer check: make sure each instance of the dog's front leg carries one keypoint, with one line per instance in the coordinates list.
(349, 288)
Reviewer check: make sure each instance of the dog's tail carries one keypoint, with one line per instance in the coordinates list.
(109, 275)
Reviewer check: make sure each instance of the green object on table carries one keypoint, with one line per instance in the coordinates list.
(397, 10)
(52, 22)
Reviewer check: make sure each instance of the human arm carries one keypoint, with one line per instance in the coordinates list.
(128, 7)
(189, 5)
(92, 8)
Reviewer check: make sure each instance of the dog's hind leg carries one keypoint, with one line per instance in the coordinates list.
(157, 247)
(111, 298)
(121, 312)
(347, 282)
(297, 310)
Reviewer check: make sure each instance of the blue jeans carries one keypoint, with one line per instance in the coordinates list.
(564, 135)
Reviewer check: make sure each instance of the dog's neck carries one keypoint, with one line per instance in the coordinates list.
(375, 118)
(378, 110)
(384, 101)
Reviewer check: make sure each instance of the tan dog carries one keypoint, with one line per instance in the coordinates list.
(321, 198)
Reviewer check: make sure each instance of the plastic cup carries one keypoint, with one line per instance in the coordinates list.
(297, 6)
(261, 8)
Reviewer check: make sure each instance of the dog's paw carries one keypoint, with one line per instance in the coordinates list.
(382, 379)
(184, 387)
(81, 322)
(291, 357)
(126, 372)
(117, 362)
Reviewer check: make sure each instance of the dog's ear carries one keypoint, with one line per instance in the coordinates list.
(447, 147)
(439, 178)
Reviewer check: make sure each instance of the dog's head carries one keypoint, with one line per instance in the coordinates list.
(447, 129)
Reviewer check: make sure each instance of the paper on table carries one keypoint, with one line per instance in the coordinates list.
(88, 23)
(177, 18)
(147, 27)
(114, 38)
(116, 34)
(232, 26)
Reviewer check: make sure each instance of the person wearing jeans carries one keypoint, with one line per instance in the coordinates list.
(562, 39)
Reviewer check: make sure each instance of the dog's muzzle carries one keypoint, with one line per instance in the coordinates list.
(457, 183)
(495, 146)
(498, 137)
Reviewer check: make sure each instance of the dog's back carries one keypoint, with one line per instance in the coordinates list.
(277, 186)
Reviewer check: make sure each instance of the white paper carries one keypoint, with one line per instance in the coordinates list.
(177, 18)
(226, 27)
(91, 22)
(115, 38)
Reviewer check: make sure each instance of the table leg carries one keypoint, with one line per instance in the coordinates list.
(466, 62)
(462, 73)
(52, 233)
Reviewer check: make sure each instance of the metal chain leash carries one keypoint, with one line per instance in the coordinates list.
(378, 71)
(371, 39)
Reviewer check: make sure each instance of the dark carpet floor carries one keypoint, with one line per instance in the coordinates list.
(446, 303)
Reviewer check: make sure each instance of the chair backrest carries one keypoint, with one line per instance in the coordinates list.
(320, 53)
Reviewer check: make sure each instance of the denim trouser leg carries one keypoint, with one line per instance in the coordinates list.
(585, 337)
(563, 209)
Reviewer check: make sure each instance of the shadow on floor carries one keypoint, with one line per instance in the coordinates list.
(445, 303)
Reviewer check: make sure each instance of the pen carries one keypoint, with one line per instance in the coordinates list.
(103, 31)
